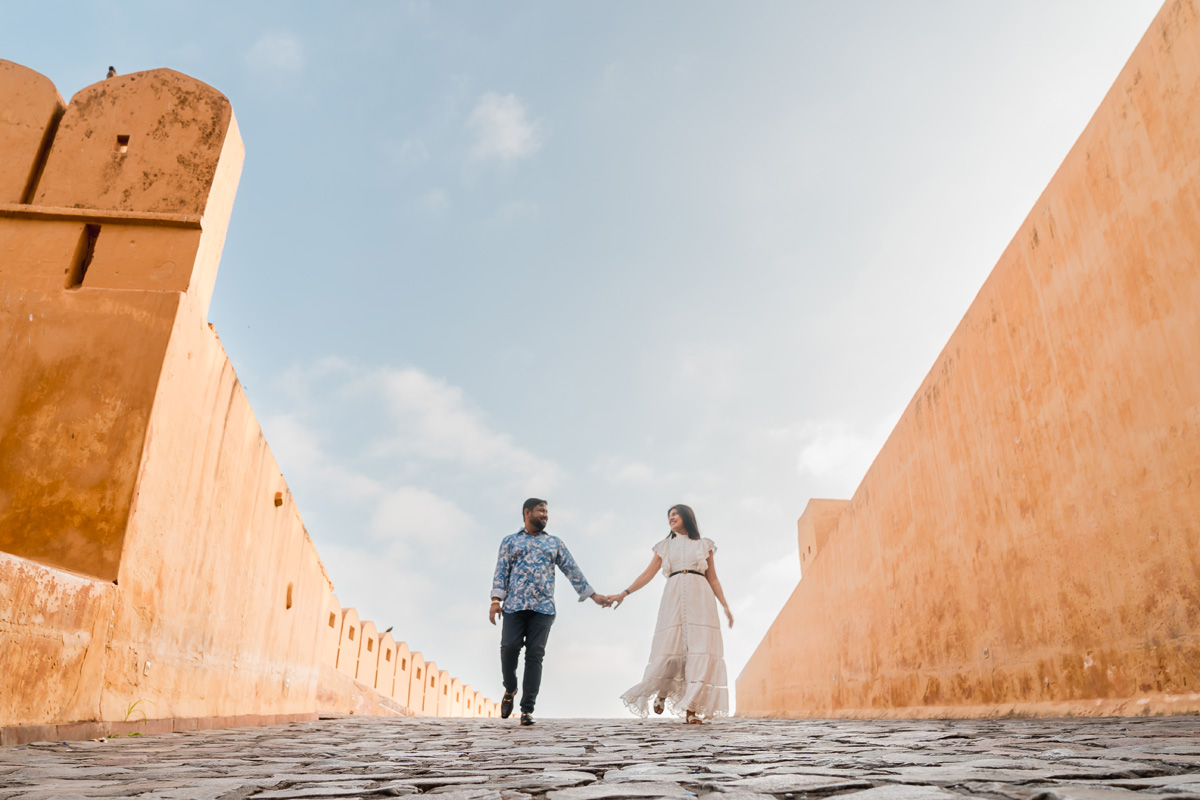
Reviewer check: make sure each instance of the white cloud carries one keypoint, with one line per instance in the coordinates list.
(837, 452)
(300, 448)
(435, 201)
(503, 130)
(409, 153)
(433, 420)
(409, 518)
(279, 52)
(834, 448)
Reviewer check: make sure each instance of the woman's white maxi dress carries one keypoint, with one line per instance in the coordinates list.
(687, 658)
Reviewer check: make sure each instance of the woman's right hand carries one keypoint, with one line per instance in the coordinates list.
(618, 599)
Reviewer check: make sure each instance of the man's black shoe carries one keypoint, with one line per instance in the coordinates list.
(527, 719)
(506, 705)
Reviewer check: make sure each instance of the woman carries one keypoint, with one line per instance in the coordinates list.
(687, 664)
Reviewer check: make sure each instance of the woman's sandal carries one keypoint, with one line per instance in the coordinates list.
(659, 704)
(692, 719)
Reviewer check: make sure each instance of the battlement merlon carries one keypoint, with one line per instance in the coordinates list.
(151, 155)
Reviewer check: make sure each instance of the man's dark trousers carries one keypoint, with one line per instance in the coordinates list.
(530, 630)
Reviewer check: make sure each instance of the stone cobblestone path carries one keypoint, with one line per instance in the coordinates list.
(736, 759)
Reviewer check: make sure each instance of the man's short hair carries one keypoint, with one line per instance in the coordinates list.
(531, 504)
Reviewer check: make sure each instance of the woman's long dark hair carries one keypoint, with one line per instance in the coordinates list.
(689, 520)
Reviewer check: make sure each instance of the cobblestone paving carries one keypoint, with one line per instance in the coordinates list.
(365, 757)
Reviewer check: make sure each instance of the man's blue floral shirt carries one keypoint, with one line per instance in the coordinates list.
(524, 577)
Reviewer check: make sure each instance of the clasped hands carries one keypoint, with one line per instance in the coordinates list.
(602, 600)
(609, 600)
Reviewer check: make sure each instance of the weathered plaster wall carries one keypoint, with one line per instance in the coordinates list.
(1028, 539)
(53, 626)
(348, 642)
(456, 697)
(433, 689)
(403, 674)
(815, 525)
(368, 656)
(153, 563)
(416, 686)
(30, 114)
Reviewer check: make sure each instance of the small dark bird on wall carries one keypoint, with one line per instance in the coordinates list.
(112, 73)
(389, 630)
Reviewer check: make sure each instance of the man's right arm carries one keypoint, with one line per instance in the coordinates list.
(500, 579)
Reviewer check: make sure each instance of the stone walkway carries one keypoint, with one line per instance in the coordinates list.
(366, 757)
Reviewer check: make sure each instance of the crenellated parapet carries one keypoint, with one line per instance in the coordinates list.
(152, 560)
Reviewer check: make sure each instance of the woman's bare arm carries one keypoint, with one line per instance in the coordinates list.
(642, 580)
(711, 575)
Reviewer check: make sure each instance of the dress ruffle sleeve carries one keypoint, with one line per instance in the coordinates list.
(662, 549)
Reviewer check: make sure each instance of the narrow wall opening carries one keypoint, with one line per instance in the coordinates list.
(83, 256)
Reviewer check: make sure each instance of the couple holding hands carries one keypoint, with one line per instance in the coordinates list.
(686, 671)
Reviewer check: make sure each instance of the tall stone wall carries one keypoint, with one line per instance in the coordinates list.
(153, 564)
(1028, 538)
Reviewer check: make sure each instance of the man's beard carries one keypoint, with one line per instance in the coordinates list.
(537, 525)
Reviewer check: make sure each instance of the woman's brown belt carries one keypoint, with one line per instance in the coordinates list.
(686, 572)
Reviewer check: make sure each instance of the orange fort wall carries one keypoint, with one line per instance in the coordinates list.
(433, 690)
(418, 684)
(153, 563)
(1028, 538)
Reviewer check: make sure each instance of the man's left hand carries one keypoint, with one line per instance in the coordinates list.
(602, 600)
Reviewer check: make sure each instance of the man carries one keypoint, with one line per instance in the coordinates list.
(524, 586)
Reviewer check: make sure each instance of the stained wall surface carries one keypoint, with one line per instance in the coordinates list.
(152, 559)
(1028, 538)
(32, 111)
(416, 686)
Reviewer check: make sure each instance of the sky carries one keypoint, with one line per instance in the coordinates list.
(619, 255)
